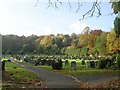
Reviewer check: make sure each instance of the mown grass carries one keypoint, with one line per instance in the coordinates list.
(81, 69)
(18, 72)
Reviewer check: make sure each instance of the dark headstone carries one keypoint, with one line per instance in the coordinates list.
(83, 62)
(66, 62)
(43, 62)
(53, 64)
(96, 63)
(92, 64)
(3, 65)
(59, 64)
(49, 62)
(73, 65)
(9, 60)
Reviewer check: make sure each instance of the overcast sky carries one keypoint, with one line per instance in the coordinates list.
(22, 17)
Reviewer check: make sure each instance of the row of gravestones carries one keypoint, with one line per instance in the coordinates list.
(56, 64)
(91, 64)
(39, 62)
(73, 64)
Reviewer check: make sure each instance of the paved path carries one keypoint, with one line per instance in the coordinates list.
(52, 79)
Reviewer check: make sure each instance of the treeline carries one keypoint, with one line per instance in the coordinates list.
(94, 42)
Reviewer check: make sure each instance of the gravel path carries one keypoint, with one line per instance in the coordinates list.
(52, 79)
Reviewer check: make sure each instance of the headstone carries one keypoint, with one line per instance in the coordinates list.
(83, 62)
(59, 64)
(96, 63)
(87, 64)
(66, 63)
(43, 62)
(49, 62)
(9, 60)
(3, 65)
(53, 64)
(92, 64)
(36, 63)
(73, 65)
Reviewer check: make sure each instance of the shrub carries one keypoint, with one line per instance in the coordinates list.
(118, 61)
(102, 63)
(57, 65)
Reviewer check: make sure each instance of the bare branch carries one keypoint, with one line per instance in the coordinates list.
(111, 13)
(90, 13)
(50, 4)
(59, 2)
(56, 5)
(69, 5)
(36, 3)
(79, 5)
(99, 9)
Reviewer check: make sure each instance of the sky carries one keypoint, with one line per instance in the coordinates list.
(24, 17)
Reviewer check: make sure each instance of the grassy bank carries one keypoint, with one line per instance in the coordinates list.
(16, 76)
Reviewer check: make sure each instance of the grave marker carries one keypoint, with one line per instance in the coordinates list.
(73, 65)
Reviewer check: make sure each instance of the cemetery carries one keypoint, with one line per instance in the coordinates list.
(83, 54)
(66, 66)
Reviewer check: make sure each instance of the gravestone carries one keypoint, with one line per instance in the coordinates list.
(83, 62)
(73, 65)
(36, 63)
(49, 62)
(87, 64)
(2, 65)
(43, 62)
(92, 64)
(59, 64)
(96, 63)
(53, 64)
(66, 63)
(9, 60)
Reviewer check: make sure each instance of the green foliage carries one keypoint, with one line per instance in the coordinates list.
(84, 51)
(100, 43)
(102, 63)
(116, 6)
(118, 61)
(72, 51)
(117, 26)
(95, 42)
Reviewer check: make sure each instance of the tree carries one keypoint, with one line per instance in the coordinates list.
(100, 44)
(116, 6)
(75, 40)
(111, 42)
(57, 41)
(67, 40)
(117, 26)
(84, 38)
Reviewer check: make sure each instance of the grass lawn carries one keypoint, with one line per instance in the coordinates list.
(19, 72)
(82, 69)
(16, 76)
